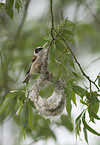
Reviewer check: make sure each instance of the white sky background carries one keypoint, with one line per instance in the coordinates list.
(64, 137)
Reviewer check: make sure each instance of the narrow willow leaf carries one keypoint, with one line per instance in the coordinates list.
(24, 116)
(99, 81)
(18, 5)
(60, 46)
(89, 128)
(74, 98)
(19, 110)
(78, 128)
(57, 72)
(93, 115)
(78, 118)
(75, 74)
(78, 90)
(68, 100)
(9, 9)
(68, 37)
(66, 31)
(23, 131)
(30, 116)
(11, 106)
(94, 103)
(71, 63)
(70, 81)
(84, 103)
(31, 103)
(6, 102)
(87, 94)
(52, 59)
(85, 134)
(69, 23)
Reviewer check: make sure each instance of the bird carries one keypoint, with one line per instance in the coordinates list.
(35, 64)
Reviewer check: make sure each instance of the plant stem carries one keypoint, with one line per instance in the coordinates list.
(52, 19)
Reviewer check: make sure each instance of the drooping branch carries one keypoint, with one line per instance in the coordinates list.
(68, 48)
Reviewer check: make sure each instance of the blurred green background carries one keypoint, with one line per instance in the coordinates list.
(18, 39)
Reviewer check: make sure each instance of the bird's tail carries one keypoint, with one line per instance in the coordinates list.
(27, 78)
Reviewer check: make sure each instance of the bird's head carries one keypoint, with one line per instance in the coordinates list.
(38, 50)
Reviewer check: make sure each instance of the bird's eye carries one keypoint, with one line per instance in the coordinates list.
(38, 49)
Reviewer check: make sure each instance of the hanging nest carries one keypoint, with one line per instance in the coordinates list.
(55, 104)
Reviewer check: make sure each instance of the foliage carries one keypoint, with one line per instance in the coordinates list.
(61, 65)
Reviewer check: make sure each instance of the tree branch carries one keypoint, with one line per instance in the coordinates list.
(68, 48)
(52, 19)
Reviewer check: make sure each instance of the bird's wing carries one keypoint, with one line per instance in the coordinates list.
(29, 68)
(33, 59)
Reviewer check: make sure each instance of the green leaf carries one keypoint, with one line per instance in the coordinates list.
(46, 90)
(11, 106)
(78, 128)
(69, 23)
(84, 103)
(23, 131)
(71, 62)
(68, 37)
(19, 110)
(68, 92)
(93, 115)
(57, 72)
(78, 90)
(85, 134)
(70, 81)
(78, 118)
(7, 101)
(74, 98)
(99, 81)
(30, 116)
(31, 103)
(9, 8)
(75, 74)
(67, 32)
(89, 128)
(18, 5)
(60, 46)
(52, 59)
(24, 116)
(66, 121)
(94, 102)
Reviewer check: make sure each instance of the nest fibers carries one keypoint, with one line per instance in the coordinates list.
(55, 104)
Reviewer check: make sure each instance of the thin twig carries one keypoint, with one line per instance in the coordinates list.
(52, 19)
(68, 48)
(97, 77)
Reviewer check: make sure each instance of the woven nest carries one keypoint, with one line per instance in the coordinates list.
(55, 104)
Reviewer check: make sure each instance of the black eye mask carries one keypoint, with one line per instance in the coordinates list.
(38, 49)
